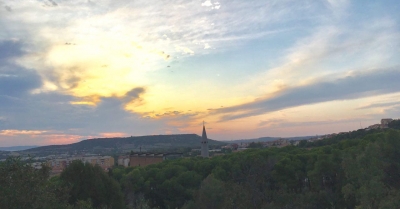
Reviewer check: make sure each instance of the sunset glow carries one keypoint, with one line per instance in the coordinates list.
(72, 70)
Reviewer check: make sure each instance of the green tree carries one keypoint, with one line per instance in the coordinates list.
(395, 124)
(255, 145)
(211, 194)
(89, 182)
(22, 186)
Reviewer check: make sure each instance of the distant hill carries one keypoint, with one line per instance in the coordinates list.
(124, 144)
(16, 148)
(264, 139)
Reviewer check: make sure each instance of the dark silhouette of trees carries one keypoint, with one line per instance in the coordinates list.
(395, 124)
(360, 169)
(92, 184)
(22, 186)
(357, 169)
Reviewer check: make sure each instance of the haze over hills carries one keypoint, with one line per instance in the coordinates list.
(16, 148)
(133, 143)
(264, 139)
(125, 144)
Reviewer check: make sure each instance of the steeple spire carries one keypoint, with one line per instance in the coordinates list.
(204, 135)
(204, 143)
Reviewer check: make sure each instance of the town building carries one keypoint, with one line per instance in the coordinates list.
(124, 161)
(105, 162)
(276, 143)
(37, 165)
(144, 159)
(58, 165)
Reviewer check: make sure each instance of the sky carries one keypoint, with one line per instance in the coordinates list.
(80, 69)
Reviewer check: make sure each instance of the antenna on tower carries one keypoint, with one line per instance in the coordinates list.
(360, 125)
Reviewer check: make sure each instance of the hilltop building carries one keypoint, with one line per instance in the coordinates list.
(204, 143)
(385, 122)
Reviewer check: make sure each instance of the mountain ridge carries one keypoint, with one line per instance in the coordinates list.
(123, 144)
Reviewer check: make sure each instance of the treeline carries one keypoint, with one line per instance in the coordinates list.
(360, 172)
(80, 186)
(339, 137)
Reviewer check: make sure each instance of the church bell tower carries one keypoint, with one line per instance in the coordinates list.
(204, 143)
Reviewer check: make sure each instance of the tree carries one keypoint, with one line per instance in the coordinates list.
(91, 183)
(255, 145)
(22, 186)
(210, 195)
(395, 124)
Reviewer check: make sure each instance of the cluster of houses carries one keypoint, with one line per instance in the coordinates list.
(384, 124)
(277, 143)
(107, 162)
(244, 145)
(58, 165)
(143, 159)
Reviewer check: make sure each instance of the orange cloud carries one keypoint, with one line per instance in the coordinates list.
(13, 132)
(89, 100)
(113, 134)
(57, 139)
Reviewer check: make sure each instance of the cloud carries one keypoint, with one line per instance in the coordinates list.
(89, 100)
(134, 93)
(270, 122)
(18, 81)
(285, 123)
(357, 85)
(133, 98)
(113, 134)
(15, 80)
(8, 8)
(62, 122)
(10, 49)
(53, 3)
(104, 51)
(36, 137)
(322, 51)
(20, 132)
(375, 105)
(206, 4)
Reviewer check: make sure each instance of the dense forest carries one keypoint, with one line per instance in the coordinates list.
(360, 169)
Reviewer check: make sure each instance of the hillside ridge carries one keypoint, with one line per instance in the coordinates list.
(122, 144)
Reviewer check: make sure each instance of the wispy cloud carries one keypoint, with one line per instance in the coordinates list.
(286, 123)
(20, 132)
(359, 84)
(105, 48)
(375, 105)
